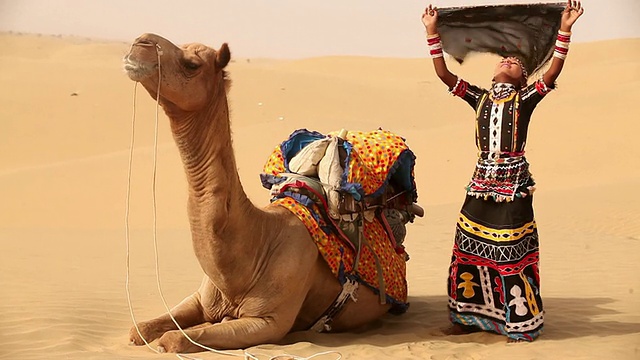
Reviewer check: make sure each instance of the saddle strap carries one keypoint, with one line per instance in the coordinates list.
(349, 289)
(362, 240)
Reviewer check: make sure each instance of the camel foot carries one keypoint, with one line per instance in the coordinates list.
(459, 329)
(149, 333)
(175, 342)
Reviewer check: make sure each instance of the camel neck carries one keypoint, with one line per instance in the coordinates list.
(222, 219)
(215, 192)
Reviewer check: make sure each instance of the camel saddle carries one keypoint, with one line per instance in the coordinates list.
(355, 192)
(318, 171)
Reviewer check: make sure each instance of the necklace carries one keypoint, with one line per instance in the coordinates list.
(500, 91)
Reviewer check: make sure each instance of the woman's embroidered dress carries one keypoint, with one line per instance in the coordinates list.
(494, 281)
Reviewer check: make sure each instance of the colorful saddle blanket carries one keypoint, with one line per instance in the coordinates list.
(372, 162)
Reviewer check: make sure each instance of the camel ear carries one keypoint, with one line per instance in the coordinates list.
(223, 56)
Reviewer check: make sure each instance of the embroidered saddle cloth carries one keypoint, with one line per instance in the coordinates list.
(339, 185)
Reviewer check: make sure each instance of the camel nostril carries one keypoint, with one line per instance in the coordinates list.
(144, 42)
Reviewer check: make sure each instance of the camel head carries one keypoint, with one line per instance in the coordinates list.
(192, 76)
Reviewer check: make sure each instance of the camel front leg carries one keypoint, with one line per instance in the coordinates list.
(233, 334)
(187, 313)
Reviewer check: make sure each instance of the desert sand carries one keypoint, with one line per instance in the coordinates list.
(65, 114)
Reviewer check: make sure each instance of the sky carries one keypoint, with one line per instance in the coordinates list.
(281, 28)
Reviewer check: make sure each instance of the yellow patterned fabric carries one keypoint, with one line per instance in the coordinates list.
(340, 257)
(275, 163)
(499, 235)
(373, 160)
(374, 153)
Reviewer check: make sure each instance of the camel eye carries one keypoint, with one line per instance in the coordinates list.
(191, 65)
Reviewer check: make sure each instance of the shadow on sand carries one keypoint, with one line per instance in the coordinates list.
(427, 317)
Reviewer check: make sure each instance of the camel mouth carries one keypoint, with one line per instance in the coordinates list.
(137, 70)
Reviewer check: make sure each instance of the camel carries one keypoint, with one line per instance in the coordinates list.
(263, 275)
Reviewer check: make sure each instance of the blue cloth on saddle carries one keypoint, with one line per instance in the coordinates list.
(296, 142)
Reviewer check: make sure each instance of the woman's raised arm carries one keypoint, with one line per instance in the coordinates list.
(570, 14)
(430, 21)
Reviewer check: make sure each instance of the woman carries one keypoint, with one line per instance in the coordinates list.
(494, 283)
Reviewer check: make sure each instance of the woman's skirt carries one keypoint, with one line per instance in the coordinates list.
(494, 281)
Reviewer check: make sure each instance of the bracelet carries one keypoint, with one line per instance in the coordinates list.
(435, 46)
(562, 45)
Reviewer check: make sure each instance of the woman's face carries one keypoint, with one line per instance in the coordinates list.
(508, 70)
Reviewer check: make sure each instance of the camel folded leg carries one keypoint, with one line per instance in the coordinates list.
(232, 334)
(187, 313)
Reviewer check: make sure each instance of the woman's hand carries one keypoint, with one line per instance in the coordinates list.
(570, 14)
(430, 19)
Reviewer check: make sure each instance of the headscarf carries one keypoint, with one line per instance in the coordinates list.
(527, 32)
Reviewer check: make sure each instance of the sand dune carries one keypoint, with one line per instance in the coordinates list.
(66, 110)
